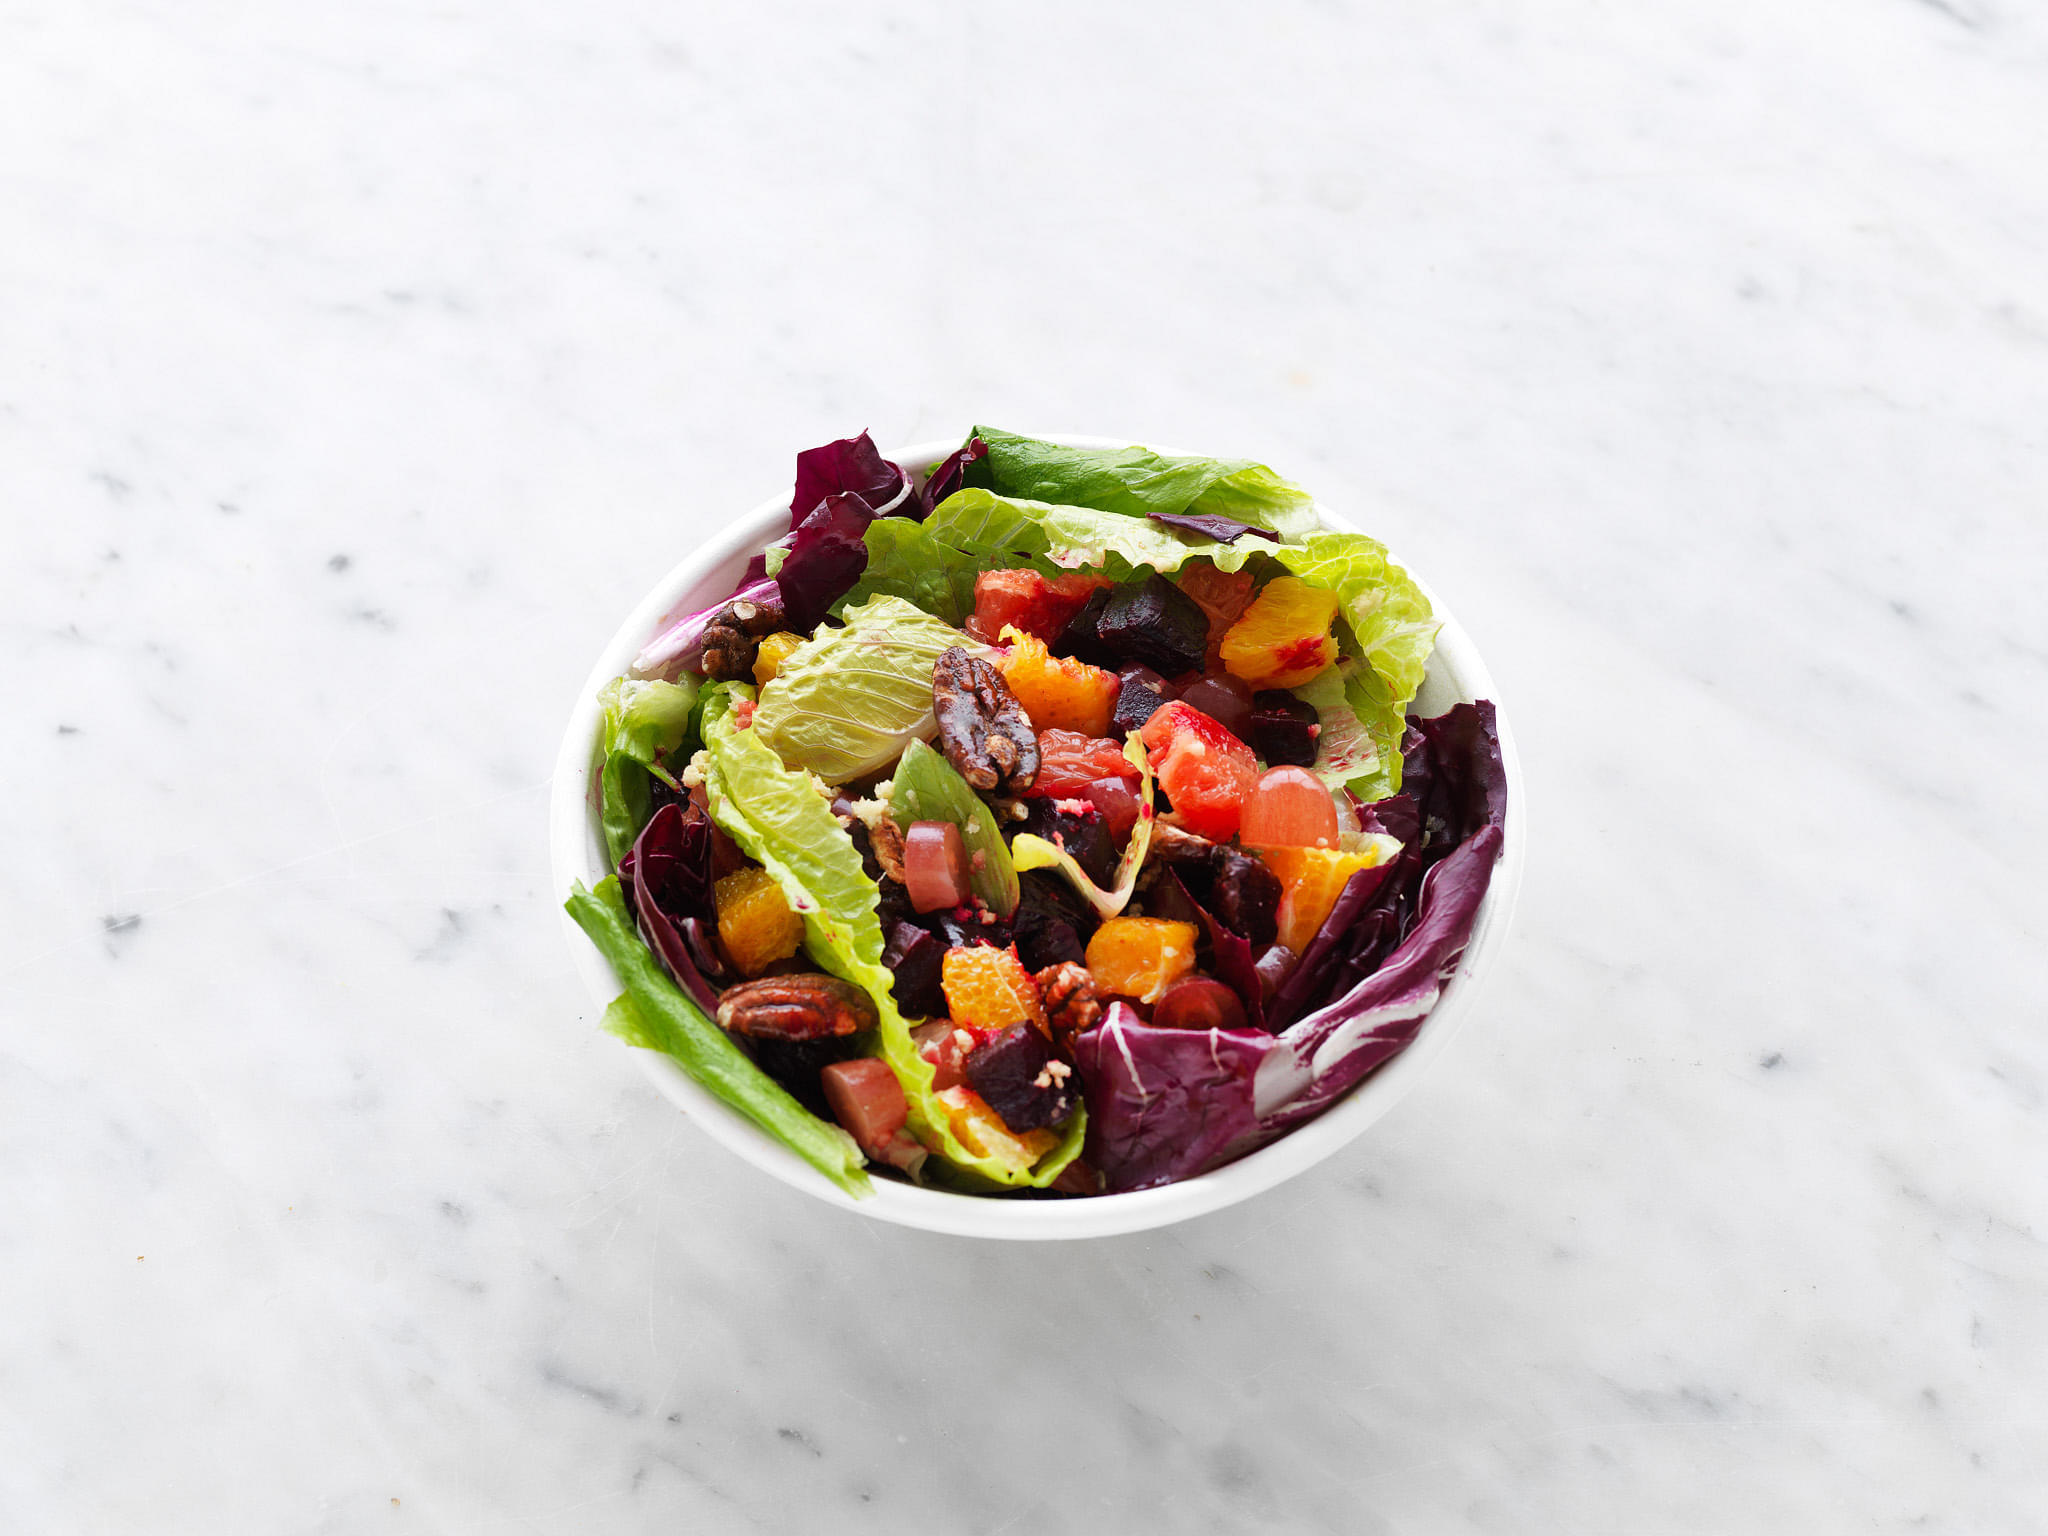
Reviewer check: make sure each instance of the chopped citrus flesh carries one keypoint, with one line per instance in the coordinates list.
(1283, 640)
(773, 653)
(1311, 880)
(1057, 692)
(1141, 956)
(755, 923)
(981, 1131)
(988, 988)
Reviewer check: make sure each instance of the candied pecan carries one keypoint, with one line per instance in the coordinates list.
(1177, 845)
(727, 654)
(733, 637)
(887, 842)
(983, 729)
(1246, 895)
(1068, 991)
(811, 1006)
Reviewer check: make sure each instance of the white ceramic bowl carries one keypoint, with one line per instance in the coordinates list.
(1455, 673)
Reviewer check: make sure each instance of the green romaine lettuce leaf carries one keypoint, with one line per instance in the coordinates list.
(1134, 482)
(905, 561)
(1394, 629)
(1345, 750)
(1029, 851)
(656, 1014)
(926, 787)
(780, 818)
(847, 701)
(645, 720)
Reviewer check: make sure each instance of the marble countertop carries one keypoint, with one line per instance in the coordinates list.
(360, 366)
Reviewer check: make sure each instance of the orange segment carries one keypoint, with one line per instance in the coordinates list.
(990, 989)
(981, 1130)
(1057, 692)
(1311, 880)
(1284, 638)
(755, 923)
(1141, 956)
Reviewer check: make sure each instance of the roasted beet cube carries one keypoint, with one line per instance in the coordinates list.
(1078, 827)
(1153, 621)
(1244, 895)
(1284, 728)
(1079, 638)
(1134, 705)
(1021, 1079)
(960, 926)
(914, 956)
(1050, 923)
(796, 1064)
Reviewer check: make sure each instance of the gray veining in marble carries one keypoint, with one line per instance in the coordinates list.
(360, 365)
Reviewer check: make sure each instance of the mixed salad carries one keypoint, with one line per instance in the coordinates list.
(1052, 822)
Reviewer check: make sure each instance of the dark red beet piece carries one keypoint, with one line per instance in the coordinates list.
(1135, 704)
(1049, 922)
(915, 957)
(1284, 728)
(1079, 828)
(964, 926)
(1080, 639)
(1225, 699)
(1153, 621)
(1017, 1073)
(1245, 895)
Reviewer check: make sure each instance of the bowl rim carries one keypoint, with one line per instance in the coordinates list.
(577, 853)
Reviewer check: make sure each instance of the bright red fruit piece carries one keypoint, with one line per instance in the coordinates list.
(1069, 762)
(1290, 808)
(1206, 772)
(1029, 601)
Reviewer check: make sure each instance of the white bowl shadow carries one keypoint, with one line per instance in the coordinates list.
(1456, 673)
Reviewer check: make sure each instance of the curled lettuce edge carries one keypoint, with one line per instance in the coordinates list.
(655, 1014)
(1030, 851)
(847, 701)
(815, 863)
(644, 720)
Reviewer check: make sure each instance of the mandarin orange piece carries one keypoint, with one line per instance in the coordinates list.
(1283, 640)
(1140, 956)
(1057, 692)
(988, 988)
(1311, 880)
(755, 923)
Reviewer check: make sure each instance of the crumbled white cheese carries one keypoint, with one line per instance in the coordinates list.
(693, 775)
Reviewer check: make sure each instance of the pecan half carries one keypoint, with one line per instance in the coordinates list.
(887, 842)
(983, 729)
(1068, 991)
(732, 639)
(810, 1006)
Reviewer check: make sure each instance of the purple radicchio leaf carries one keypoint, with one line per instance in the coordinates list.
(827, 553)
(1338, 1046)
(1164, 1104)
(1224, 530)
(952, 473)
(668, 873)
(1229, 952)
(840, 488)
(1354, 938)
(1170, 1104)
(681, 637)
(852, 466)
